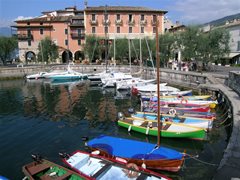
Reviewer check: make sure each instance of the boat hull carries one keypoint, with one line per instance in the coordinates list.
(198, 134)
(44, 168)
(138, 152)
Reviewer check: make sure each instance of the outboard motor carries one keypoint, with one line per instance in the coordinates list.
(85, 139)
(131, 110)
(36, 158)
(64, 155)
(120, 115)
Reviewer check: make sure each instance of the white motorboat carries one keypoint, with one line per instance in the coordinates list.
(39, 75)
(115, 77)
(151, 89)
(134, 82)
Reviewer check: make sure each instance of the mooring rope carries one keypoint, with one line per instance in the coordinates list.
(201, 161)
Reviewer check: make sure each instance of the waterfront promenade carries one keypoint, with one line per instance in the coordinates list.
(229, 168)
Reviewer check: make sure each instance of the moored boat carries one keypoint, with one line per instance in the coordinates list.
(169, 129)
(43, 169)
(138, 152)
(39, 75)
(94, 166)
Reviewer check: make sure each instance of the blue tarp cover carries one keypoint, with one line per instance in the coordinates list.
(127, 148)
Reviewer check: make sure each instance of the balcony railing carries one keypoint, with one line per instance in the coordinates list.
(93, 23)
(119, 22)
(154, 22)
(106, 22)
(131, 23)
(74, 24)
(76, 35)
(143, 22)
(24, 36)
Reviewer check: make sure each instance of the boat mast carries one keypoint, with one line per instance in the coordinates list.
(105, 40)
(158, 83)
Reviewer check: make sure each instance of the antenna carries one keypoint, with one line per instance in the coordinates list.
(85, 4)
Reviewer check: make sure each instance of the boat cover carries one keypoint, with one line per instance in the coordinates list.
(133, 149)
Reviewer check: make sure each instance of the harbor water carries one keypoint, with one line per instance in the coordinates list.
(48, 118)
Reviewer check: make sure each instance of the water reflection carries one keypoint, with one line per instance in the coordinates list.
(45, 117)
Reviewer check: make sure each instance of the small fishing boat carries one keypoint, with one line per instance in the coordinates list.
(138, 152)
(176, 97)
(169, 129)
(147, 106)
(93, 166)
(43, 169)
(174, 115)
(190, 121)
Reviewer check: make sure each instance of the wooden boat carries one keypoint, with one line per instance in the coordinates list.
(205, 122)
(146, 106)
(176, 97)
(94, 166)
(137, 152)
(44, 169)
(190, 103)
(169, 129)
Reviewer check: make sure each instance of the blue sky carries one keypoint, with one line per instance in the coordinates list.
(184, 11)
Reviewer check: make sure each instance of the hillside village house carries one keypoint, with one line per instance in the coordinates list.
(68, 28)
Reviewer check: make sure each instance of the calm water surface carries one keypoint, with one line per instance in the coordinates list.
(45, 118)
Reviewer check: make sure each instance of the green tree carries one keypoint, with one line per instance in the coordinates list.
(188, 42)
(218, 44)
(47, 50)
(92, 47)
(203, 46)
(166, 47)
(7, 46)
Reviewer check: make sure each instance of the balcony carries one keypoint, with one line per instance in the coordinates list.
(76, 35)
(119, 22)
(154, 22)
(77, 24)
(25, 37)
(143, 22)
(131, 23)
(93, 22)
(106, 22)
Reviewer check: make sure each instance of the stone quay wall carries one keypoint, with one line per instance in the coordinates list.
(234, 81)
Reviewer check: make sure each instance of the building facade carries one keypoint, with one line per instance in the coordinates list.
(68, 28)
(233, 27)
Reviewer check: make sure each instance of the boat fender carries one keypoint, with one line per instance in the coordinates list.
(144, 165)
(120, 115)
(184, 100)
(147, 130)
(172, 111)
(131, 110)
(52, 174)
(132, 171)
(129, 128)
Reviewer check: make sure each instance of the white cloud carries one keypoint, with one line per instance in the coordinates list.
(22, 18)
(10, 22)
(6, 22)
(202, 11)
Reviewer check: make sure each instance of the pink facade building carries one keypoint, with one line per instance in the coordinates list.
(68, 28)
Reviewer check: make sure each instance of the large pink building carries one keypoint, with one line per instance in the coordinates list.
(67, 28)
